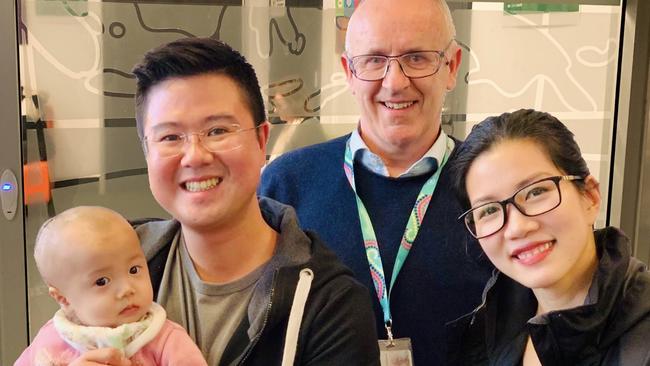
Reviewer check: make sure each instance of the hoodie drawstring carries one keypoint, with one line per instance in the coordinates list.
(295, 316)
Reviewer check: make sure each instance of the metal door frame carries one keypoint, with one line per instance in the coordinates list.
(13, 286)
(629, 174)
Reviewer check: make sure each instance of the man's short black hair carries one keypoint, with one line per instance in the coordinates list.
(195, 56)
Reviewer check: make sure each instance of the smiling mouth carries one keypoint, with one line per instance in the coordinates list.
(397, 106)
(532, 253)
(202, 185)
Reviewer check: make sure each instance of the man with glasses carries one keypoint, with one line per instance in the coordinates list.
(249, 286)
(380, 197)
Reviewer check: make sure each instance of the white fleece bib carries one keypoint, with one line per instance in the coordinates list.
(128, 338)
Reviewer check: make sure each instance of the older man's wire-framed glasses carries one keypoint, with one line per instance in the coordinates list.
(534, 199)
(415, 65)
(218, 138)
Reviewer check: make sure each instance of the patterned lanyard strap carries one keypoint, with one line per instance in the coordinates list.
(410, 233)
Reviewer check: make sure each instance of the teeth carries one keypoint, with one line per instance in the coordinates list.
(398, 105)
(531, 253)
(203, 185)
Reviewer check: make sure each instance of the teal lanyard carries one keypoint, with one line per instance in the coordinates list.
(410, 233)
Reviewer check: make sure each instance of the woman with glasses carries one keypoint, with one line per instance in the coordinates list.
(562, 293)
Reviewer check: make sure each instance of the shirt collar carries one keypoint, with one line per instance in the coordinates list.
(371, 161)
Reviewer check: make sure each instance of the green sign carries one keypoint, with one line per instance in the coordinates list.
(516, 8)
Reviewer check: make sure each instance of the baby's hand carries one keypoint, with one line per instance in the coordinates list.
(102, 356)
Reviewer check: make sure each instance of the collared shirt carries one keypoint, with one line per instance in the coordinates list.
(427, 163)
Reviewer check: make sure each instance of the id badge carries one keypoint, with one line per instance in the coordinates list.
(396, 352)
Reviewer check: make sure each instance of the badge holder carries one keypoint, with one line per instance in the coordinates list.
(395, 352)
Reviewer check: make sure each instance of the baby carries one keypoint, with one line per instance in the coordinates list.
(91, 260)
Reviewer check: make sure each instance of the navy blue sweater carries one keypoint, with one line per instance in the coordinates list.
(443, 276)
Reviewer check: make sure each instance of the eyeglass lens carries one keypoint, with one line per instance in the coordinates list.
(215, 139)
(533, 200)
(414, 65)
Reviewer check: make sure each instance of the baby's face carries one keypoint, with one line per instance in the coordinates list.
(109, 282)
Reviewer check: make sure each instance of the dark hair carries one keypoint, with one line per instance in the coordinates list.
(194, 56)
(540, 127)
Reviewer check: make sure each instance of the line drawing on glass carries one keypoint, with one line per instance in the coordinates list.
(611, 44)
(540, 80)
(299, 37)
(216, 34)
(337, 80)
(85, 75)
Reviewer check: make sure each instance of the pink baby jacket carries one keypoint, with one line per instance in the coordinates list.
(171, 346)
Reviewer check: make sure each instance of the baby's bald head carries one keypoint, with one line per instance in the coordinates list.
(60, 236)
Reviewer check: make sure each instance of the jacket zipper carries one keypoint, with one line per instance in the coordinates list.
(488, 287)
(266, 319)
